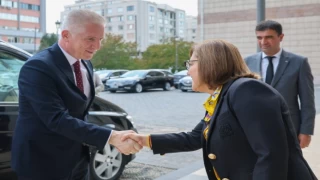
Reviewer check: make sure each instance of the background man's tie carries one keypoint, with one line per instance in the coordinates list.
(270, 72)
(77, 72)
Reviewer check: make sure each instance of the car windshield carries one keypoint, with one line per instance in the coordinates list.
(139, 74)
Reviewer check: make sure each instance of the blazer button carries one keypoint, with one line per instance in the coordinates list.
(212, 156)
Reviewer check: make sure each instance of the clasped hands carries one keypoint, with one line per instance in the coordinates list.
(128, 142)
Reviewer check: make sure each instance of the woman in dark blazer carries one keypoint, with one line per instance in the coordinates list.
(246, 133)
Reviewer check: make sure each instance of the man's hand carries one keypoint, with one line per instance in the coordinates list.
(139, 138)
(125, 147)
(304, 140)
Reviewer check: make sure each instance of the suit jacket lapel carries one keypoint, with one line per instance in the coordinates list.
(283, 63)
(62, 62)
(218, 106)
(90, 73)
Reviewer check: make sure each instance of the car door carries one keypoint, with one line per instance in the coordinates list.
(10, 64)
(159, 80)
(148, 81)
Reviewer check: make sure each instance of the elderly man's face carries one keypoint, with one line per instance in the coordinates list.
(84, 44)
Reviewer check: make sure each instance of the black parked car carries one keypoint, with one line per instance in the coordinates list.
(107, 164)
(111, 73)
(139, 80)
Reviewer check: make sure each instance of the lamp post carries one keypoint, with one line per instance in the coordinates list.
(176, 59)
(35, 40)
(57, 26)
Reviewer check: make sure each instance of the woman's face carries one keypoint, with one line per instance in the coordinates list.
(193, 72)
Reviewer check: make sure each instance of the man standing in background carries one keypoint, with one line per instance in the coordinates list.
(288, 73)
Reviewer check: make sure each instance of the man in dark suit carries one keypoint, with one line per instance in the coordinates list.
(55, 92)
(288, 73)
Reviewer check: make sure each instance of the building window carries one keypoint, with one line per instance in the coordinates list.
(29, 19)
(8, 16)
(27, 40)
(120, 27)
(120, 9)
(130, 8)
(166, 21)
(120, 18)
(109, 19)
(193, 30)
(161, 29)
(181, 15)
(160, 21)
(130, 17)
(181, 23)
(109, 11)
(151, 9)
(130, 26)
(109, 28)
(151, 18)
(12, 39)
(151, 27)
(28, 6)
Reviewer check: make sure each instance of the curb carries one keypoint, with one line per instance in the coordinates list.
(183, 172)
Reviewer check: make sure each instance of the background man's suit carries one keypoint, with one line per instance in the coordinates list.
(293, 79)
(50, 130)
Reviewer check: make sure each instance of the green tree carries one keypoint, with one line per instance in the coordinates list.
(47, 40)
(115, 53)
(163, 56)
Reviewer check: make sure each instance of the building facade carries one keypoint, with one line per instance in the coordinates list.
(138, 21)
(235, 22)
(191, 28)
(23, 23)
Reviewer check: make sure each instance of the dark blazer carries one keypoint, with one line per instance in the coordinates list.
(51, 128)
(294, 80)
(251, 136)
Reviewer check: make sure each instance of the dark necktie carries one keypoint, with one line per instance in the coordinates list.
(270, 72)
(77, 72)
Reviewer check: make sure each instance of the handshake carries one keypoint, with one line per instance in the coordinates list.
(128, 142)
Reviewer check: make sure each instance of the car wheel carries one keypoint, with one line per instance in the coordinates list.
(167, 86)
(107, 164)
(183, 90)
(113, 91)
(138, 88)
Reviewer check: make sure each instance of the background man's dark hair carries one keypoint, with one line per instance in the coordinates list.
(269, 24)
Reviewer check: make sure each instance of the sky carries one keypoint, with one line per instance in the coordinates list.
(54, 7)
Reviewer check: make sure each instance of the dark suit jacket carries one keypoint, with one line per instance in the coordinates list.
(293, 79)
(250, 134)
(50, 129)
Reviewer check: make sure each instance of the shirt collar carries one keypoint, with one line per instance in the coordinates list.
(70, 59)
(277, 55)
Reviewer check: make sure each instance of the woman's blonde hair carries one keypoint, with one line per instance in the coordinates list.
(220, 61)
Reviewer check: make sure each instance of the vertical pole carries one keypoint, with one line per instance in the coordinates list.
(35, 40)
(176, 43)
(261, 7)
